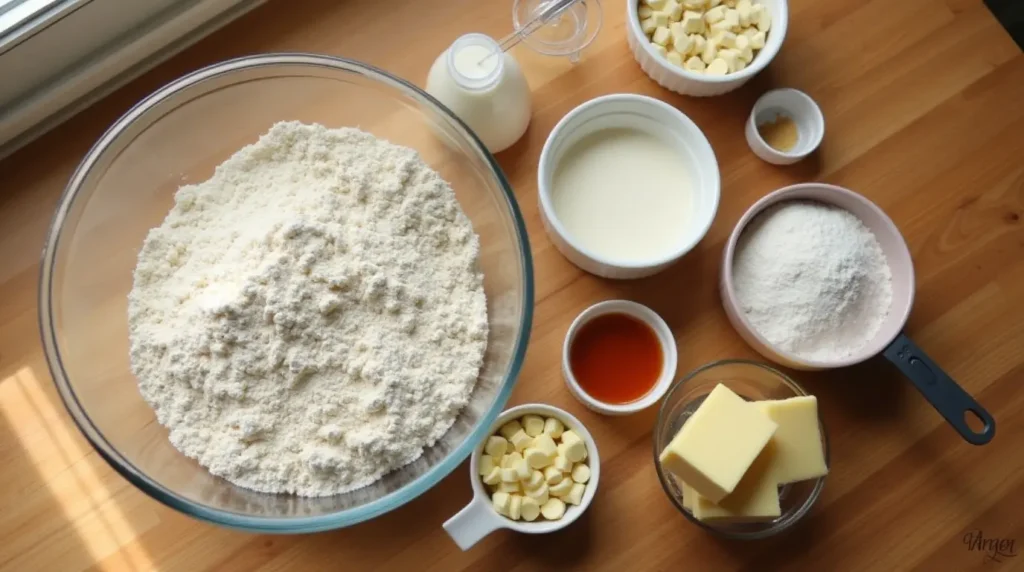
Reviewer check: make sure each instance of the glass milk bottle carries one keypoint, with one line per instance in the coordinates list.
(485, 88)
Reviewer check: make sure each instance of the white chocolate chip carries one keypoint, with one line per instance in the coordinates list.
(521, 440)
(500, 502)
(529, 509)
(509, 476)
(540, 494)
(545, 444)
(533, 425)
(644, 12)
(553, 427)
(562, 464)
(575, 496)
(580, 473)
(553, 509)
(693, 22)
(537, 459)
(694, 64)
(717, 67)
(561, 488)
(522, 470)
(508, 487)
(485, 465)
(535, 480)
(661, 36)
(493, 477)
(509, 429)
(496, 446)
(515, 505)
(552, 475)
(648, 26)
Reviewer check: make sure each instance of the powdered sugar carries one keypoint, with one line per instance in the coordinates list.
(812, 279)
(312, 317)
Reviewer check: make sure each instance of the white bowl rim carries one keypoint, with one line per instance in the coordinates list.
(759, 64)
(545, 192)
(668, 349)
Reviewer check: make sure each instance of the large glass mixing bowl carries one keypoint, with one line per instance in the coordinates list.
(125, 186)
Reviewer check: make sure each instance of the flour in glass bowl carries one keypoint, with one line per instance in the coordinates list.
(812, 279)
(311, 317)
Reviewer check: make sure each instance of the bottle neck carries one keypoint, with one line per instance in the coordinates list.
(475, 62)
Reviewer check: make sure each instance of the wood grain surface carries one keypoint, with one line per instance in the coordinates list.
(924, 103)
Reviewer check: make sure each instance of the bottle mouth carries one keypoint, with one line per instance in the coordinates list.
(475, 61)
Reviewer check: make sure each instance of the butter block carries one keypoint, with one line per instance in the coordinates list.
(796, 447)
(755, 499)
(529, 509)
(511, 428)
(496, 446)
(720, 441)
(533, 425)
(553, 427)
(575, 496)
(688, 495)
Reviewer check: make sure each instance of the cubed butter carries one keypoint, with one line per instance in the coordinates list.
(661, 36)
(695, 64)
(743, 10)
(710, 53)
(510, 459)
(521, 440)
(660, 50)
(535, 480)
(575, 448)
(661, 19)
(515, 505)
(522, 470)
(644, 12)
(797, 452)
(486, 464)
(674, 58)
(763, 21)
(496, 446)
(553, 509)
(575, 496)
(511, 428)
(580, 473)
(756, 497)
(553, 427)
(725, 40)
(533, 425)
(682, 47)
(552, 475)
(688, 495)
(716, 14)
(698, 43)
(732, 19)
(730, 56)
(509, 476)
(529, 509)
(655, 4)
(720, 441)
(697, 5)
(757, 40)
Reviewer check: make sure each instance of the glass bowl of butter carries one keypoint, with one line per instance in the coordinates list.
(740, 449)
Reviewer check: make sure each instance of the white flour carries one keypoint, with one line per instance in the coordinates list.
(812, 279)
(312, 316)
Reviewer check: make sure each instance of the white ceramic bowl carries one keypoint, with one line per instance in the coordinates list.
(686, 82)
(478, 518)
(668, 352)
(661, 120)
(798, 106)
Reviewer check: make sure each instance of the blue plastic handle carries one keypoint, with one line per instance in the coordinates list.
(948, 398)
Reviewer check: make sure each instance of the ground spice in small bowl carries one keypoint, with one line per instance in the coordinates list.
(781, 133)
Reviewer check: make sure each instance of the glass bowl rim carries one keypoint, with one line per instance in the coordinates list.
(804, 508)
(290, 525)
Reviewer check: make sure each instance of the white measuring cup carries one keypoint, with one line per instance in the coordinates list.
(478, 518)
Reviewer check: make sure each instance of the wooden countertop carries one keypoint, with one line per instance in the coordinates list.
(923, 100)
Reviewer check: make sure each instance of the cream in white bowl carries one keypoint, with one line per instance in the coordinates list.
(628, 184)
(687, 82)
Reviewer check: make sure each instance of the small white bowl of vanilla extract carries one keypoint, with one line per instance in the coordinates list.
(618, 357)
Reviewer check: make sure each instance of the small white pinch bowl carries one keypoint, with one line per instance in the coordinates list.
(686, 82)
(664, 122)
(478, 518)
(798, 106)
(668, 352)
